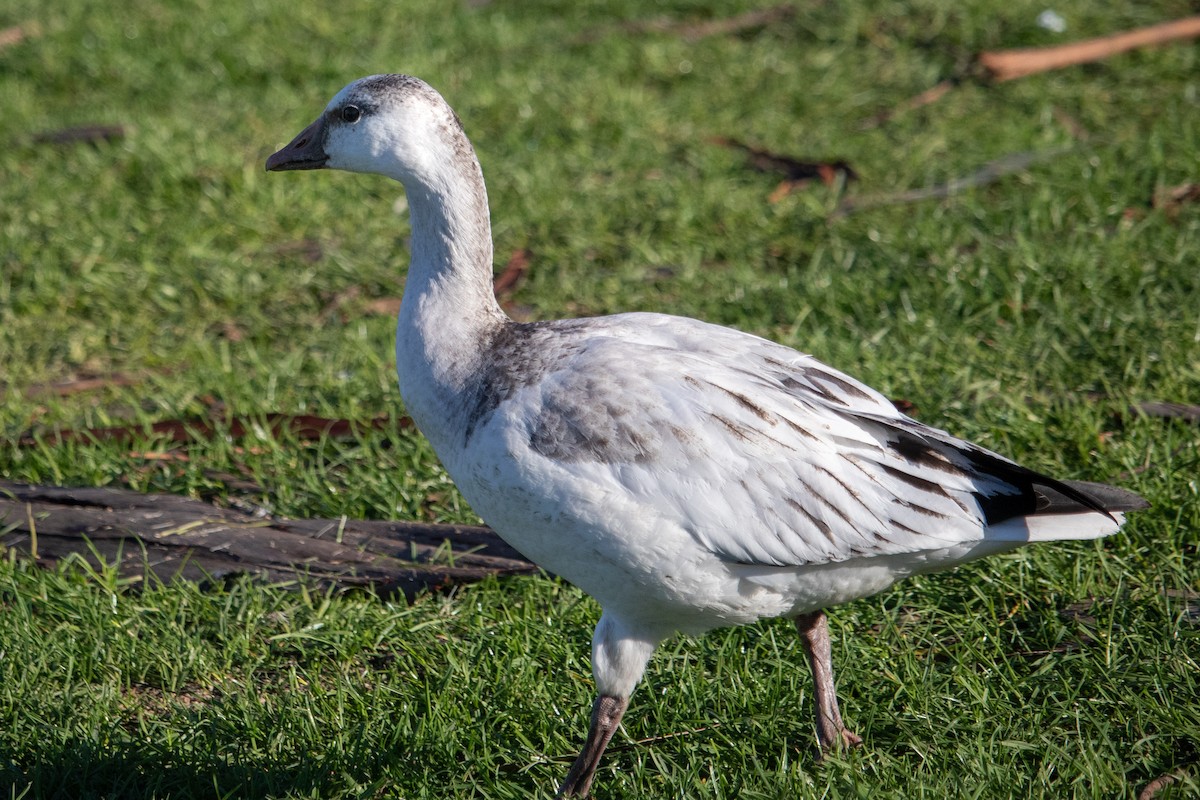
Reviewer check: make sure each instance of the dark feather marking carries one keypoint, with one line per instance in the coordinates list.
(746, 403)
(929, 487)
(1026, 484)
(854, 494)
(800, 429)
(518, 355)
(920, 509)
(1113, 498)
(740, 431)
(775, 362)
(779, 442)
(856, 461)
(683, 435)
(847, 387)
(916, 450)
(891, 470)
(845, 486)
(810, 388)
(817, 522)
(1001, 506)
(903, 527)
(826, 502)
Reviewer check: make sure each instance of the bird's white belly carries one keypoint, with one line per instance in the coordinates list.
(638, 561)
(624, 556)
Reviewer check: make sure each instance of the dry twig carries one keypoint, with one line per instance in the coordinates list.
(987, 174)
(1161, 782)
(927, 97)
(1005, 65)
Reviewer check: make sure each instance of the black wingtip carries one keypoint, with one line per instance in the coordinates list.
(1110, 498)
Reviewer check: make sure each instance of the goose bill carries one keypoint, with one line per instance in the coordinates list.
(306, 151)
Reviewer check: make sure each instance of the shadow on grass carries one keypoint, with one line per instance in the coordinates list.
(81, 770)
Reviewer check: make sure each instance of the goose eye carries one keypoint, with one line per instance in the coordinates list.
(351, 114)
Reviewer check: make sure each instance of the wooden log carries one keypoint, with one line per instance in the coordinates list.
(180, 538)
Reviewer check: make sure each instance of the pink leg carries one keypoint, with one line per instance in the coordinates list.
(606, 716)
(831, 731)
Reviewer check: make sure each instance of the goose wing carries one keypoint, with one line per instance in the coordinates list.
(767, 456)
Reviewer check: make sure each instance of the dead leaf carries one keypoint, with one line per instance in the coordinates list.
(231, 331)
(797, 173)
(508, 279)
(389, 306)
(794, 170)
(157, 456)
(1073, 126)
(1079, 612)
(307, 250)
(1171, 201)
(1161, 782)
(11, 36)
(335, 304)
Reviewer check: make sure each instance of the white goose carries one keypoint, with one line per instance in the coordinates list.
(685, 475)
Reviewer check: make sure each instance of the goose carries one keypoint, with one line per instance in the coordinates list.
(685, 475)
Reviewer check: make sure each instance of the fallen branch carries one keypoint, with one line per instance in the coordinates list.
(1006, 65)
(184, 431)
(987, 174)
(177, 537)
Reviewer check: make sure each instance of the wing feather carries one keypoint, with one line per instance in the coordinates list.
(765, 455)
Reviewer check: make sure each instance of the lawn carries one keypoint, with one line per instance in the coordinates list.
(1027, 314)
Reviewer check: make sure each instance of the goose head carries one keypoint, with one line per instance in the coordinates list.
(393, 125)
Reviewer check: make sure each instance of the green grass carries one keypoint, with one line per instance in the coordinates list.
(1002, 313)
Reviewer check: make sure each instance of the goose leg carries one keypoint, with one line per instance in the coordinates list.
(620, 651)
(831, 731)
(606, 716)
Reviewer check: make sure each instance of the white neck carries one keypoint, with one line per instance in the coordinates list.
(449, 313)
